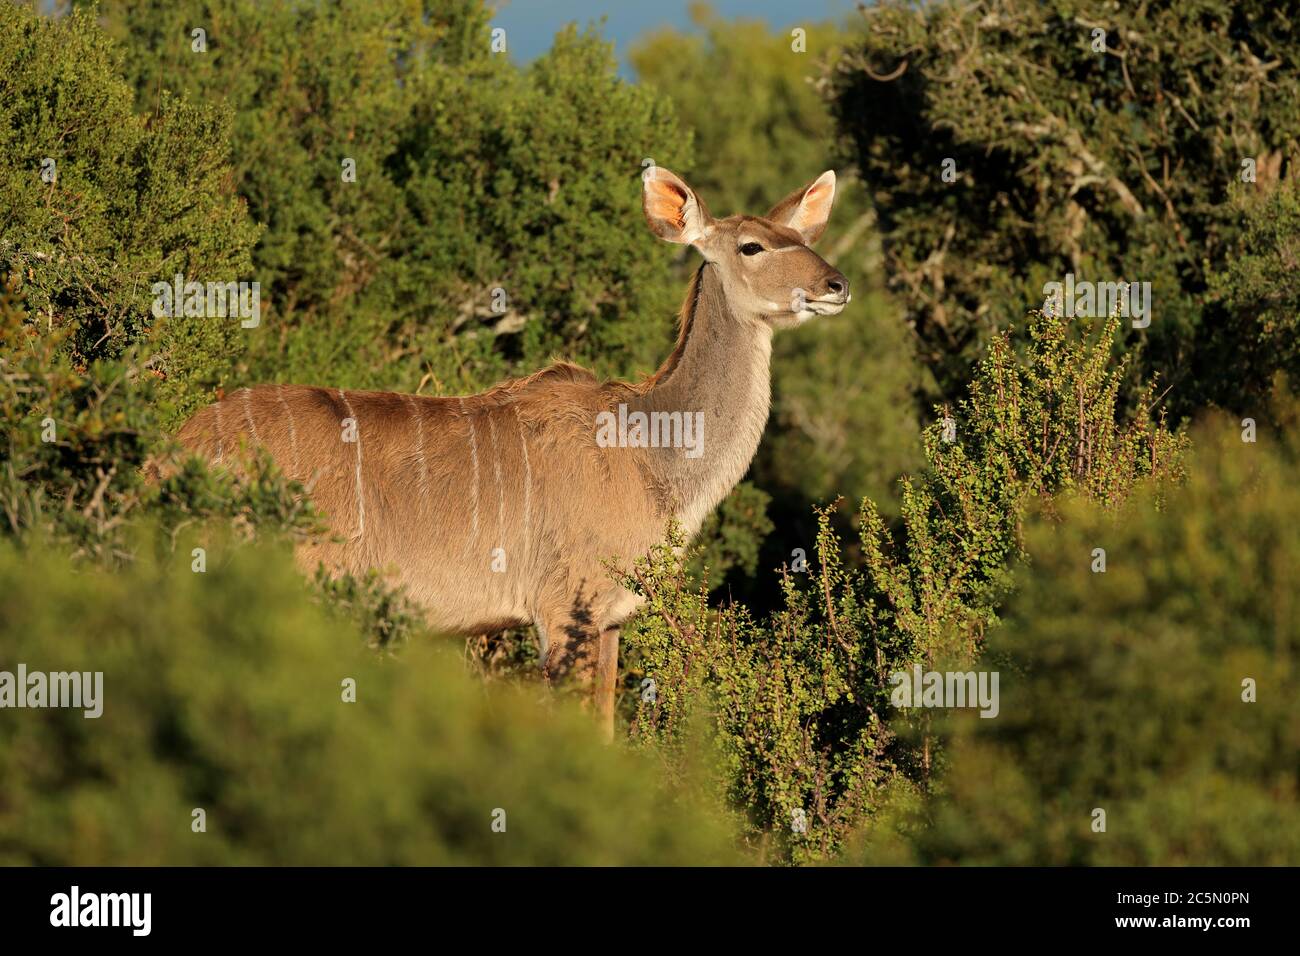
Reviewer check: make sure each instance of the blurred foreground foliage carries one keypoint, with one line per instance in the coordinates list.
(224, 691)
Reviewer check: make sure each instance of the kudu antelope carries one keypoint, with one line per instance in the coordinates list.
(502, 508)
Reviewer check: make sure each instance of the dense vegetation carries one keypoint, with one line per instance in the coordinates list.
(993, 453)
(1084, 138)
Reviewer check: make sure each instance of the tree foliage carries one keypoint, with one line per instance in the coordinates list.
(98, 202)
(1086, 137)
(494, 218)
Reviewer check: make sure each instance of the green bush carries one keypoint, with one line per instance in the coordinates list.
(1125, 691)
(77, 447)
(472, 175)
(1051, 422)
(133, 199)
(1258, 288)
(799, 702)
(90, 379)
(223, 691)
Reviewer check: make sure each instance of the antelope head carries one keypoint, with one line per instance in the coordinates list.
(767, 268)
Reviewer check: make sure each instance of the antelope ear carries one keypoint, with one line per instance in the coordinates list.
(671, 207)
(806, 210)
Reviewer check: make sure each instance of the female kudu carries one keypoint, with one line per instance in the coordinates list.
(502, 508)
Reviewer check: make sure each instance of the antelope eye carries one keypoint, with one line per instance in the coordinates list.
(751, 249)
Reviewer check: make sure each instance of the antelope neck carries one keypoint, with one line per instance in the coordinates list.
(720, 368)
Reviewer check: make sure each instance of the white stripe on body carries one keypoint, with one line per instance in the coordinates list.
(361, 500)
(473, 455)
(293, 432)
(419, 440)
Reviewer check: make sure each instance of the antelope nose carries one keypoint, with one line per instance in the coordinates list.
(838, 285)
